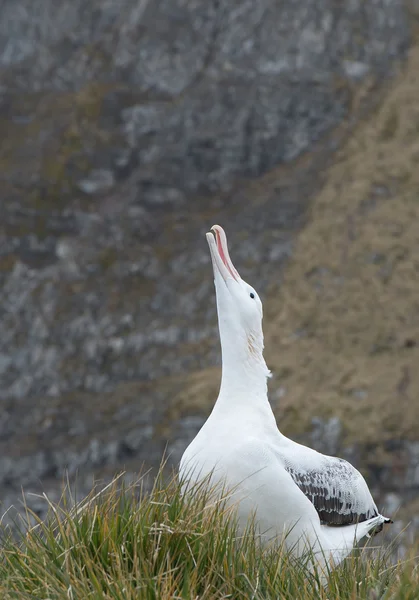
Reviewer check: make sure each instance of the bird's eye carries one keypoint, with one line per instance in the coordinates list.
(252, 295)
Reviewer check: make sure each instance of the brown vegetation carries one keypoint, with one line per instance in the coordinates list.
(342, 330)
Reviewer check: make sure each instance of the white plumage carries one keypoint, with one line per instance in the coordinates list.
(316, 501)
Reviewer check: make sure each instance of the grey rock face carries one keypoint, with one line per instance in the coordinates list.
(205, 91)
(215, 89)
(126, 125)
(99, 180)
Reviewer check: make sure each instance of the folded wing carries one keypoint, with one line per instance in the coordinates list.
(337, 490)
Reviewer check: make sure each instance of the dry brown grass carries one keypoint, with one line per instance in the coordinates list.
(344, 328)
(342, 331)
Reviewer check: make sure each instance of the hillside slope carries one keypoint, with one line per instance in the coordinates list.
(342, 326)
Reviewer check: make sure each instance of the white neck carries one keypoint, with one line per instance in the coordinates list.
(244, 371)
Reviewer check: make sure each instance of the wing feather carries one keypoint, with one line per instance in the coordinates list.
(337, 490)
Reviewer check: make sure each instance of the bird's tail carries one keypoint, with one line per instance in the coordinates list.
(341, 540)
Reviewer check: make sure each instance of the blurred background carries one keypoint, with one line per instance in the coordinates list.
(127, 129)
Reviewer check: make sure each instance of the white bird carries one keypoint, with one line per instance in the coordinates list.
(297, 495)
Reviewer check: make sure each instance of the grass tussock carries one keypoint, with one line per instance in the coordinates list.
(125, 543)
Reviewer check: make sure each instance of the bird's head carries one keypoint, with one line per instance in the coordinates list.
(239, 307)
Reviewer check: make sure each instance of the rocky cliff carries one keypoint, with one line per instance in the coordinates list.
(130, 127)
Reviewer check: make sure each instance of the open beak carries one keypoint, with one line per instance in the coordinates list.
(221, 260)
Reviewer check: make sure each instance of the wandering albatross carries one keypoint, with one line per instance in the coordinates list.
(308, 499)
